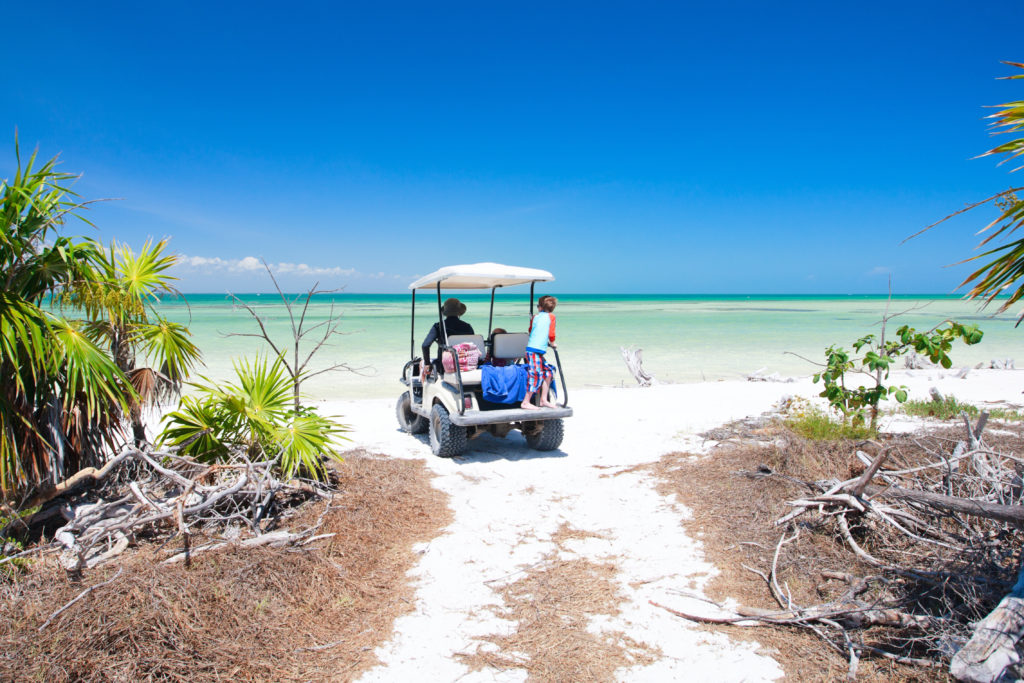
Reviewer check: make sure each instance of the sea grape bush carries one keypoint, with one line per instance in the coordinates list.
(873, 356)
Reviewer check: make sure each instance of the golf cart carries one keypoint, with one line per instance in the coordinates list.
(450, 404)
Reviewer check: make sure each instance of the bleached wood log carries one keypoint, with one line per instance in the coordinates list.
(992, 651)
(88, 476)
(1012, 514)
(635, 362)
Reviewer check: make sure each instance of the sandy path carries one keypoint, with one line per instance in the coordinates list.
(509, 500)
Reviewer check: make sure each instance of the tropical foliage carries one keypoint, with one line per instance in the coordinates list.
(254, 417)
(154, 353)
(61, 396)
(1004, 273)
(876, 355)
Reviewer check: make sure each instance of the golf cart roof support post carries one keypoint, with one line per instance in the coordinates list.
(455, 356)
(412, 330)
(490, 317)
(531, 297)
(440, 316)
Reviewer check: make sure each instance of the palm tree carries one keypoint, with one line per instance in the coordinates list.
(61, 397)
(154, 353)
(998, 276)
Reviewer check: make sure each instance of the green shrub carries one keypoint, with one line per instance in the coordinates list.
(1007, 415)
(945, 409)
(816, 424)
(950, 408)
(255, 417)
(859, 405)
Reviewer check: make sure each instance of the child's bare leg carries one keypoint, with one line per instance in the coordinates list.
(544, 394)
(526, 405)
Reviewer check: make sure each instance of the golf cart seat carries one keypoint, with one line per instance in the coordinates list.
(510, 346)
(469, 377)
(476, 339)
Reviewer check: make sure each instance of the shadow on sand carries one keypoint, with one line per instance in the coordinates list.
(486, 448)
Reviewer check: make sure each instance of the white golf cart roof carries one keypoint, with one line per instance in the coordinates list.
(481, 276)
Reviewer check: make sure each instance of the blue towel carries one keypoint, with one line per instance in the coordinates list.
(503, 385)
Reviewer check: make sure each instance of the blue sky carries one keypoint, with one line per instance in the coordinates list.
(726, 147)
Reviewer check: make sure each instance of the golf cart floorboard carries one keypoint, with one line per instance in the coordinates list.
(473, 418)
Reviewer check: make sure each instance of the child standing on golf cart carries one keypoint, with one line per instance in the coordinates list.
(539, 373)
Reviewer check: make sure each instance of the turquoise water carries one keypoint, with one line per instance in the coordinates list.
(684, 338)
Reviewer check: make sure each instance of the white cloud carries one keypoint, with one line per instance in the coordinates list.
(210, 264)
(880, 270)
(250, 263)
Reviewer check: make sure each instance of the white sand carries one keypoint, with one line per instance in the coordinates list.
(509, 500)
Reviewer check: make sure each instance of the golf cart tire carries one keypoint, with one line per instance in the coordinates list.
(409, 421)
(548, 437)
(446, 440)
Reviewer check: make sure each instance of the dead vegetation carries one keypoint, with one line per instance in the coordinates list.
(299, 612)
(850, 578)
(554, 604)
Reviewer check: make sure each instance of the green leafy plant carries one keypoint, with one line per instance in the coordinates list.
(254, 417)
(61, 396)
(154, 353)
(948, 408)
(873, 356)
(816, 424)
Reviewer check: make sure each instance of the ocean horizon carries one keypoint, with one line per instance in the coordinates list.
(684, 337)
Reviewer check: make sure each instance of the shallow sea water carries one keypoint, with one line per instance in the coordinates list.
(684, 338)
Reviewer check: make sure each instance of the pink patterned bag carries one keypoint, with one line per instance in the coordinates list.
(469, 357)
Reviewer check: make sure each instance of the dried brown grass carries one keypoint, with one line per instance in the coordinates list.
(733, 516)
(553, 604)
(242, 615)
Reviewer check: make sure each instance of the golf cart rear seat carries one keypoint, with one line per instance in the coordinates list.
(476, 339)
(468, 376)
(510, 346)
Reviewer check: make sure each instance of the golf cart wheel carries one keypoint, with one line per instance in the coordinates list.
(546, 435)
(446, 440)
(409, 421)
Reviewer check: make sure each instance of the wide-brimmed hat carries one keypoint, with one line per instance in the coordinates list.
(453, 307)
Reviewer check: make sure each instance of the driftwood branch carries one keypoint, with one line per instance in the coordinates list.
(81, 595)
(84, 478)
(1012, 514)
(173, 494)
(296, 364)
(992, 650)
(939, 528)
(635, 362)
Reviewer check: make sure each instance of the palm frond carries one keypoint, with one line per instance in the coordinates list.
(90, 375)
(200, 428)
(168, 346)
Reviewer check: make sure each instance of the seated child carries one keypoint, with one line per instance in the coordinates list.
(489, 358)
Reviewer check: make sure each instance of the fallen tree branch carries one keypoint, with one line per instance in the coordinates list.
(1011, 514)
(81, 595)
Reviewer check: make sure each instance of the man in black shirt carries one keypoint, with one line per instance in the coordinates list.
(452, 309)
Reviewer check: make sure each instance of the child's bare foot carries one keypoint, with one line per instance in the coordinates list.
(528, 406)
(549, 404)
